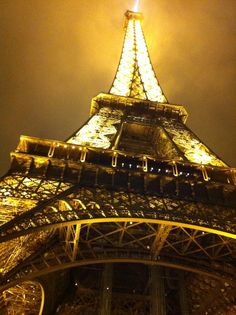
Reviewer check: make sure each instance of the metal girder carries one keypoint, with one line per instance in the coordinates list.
(37, 209)
(90, 241)
(55, 263)
(89, 205)
(183, 298)
(22, 189)
(55, 257)
(158, 302)
(106, 290)
(70, 236)
(135, 76)
(166, 177)
(189, 144)
(24, 298)
(160, 239)
(139, 235)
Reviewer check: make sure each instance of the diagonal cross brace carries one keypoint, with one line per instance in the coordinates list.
(36, 210)
(159, 241)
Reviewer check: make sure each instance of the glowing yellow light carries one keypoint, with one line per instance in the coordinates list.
(135, 76)
(200, 157)
(136, 6)
(193, 149)
(100, 129)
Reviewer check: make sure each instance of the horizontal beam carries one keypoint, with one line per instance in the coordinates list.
(93, 205)
(51, 216)
(35, 269)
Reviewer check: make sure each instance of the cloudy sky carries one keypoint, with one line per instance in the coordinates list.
(55, 55)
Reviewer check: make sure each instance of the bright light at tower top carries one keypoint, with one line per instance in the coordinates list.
(136, 6)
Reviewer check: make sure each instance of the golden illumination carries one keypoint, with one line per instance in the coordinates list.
(189, 144)
(19, 194)
(135, 76)
(24, 298)
(136, 6)
(100, 129)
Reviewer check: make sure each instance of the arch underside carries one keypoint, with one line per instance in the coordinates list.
(96, 226)
(126, 241)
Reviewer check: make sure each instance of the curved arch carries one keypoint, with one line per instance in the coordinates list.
(32, 228)
(92, 205)
(139, 220)
(42, 300)
(59, 254)
(202, 270)
(25, 295)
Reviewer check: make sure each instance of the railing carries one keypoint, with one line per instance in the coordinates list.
(126, 161)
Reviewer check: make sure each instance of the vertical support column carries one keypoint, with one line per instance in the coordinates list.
(118, 135)
(55, 287)
(157, 291)
(183, 299)
(106, 290)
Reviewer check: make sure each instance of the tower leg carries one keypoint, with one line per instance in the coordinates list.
(106, 290)
(183, 295)
(157, 291)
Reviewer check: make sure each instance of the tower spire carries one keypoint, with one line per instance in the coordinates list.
(135, 76)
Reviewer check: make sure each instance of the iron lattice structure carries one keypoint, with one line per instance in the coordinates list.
(133, 185)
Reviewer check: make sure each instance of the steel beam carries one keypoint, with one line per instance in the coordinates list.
(183, 294)
(157, 290)
(118, 206)
(106, 290)
(160, 239)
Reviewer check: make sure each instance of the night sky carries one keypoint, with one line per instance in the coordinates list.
(55, 55)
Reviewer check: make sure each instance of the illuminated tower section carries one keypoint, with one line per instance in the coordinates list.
(135, 83)
(135, 76)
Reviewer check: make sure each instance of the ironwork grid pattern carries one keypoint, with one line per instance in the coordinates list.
(135, 76)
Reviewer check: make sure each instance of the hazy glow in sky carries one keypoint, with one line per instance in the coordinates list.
(136, 6)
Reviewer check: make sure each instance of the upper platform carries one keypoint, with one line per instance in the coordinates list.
(139, 106)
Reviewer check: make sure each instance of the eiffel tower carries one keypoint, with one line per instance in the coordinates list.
(132, 214)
